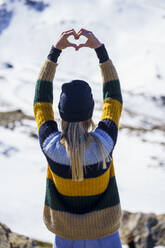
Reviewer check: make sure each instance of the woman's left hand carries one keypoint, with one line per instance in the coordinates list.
(63, 42)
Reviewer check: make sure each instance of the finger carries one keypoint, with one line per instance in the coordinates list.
(72, 45)
(72, 32)
(82, 30)
(81, 45)
(68, 31)
(84, 33)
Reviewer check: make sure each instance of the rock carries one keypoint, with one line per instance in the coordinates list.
(9, 119)
(14, 119)
(37, 5)
(9, 239)
(4, 235)
(5, 17)
(7, 13)
(142, 230)
(33, 135)
(8, 65)
(2, 77)
(163, 99)
(159, 76)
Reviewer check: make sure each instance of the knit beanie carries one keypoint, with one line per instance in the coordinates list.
(76, 101)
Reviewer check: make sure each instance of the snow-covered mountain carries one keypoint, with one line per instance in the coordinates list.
(133, 33)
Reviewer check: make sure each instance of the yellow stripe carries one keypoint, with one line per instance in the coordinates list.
(50, 176)
(112, 169)
(87, 187)
(43, 111)
(112, 110)
(49, 173)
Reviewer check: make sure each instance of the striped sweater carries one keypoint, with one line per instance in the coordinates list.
(89, 209)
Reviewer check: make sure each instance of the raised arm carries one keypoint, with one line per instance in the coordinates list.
(43, 99)
(112, 96)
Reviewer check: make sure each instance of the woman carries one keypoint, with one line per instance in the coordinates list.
(82, 205)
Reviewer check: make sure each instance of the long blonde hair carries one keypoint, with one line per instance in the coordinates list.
(76, 138)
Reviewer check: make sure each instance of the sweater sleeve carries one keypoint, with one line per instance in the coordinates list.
(43, 98)
(112, 96)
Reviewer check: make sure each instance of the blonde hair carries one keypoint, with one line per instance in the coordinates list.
(76, 138)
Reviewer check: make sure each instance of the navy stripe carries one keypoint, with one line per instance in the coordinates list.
(46, 129)
(109, 127)
(102, 53)
(81, 204)
(43, 92)
(64, 171)
(112, 90)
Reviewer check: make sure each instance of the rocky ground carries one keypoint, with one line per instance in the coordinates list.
(9, 239)
(138, 230)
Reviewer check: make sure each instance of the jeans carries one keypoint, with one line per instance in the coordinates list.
(110, 241)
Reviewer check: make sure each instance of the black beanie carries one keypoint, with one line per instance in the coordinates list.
(76, 101)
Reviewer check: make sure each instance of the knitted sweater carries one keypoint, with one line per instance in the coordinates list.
(88, 209)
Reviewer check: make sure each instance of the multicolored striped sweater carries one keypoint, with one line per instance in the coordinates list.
(89, 209)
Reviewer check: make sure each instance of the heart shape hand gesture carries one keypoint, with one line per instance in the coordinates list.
(91, 42)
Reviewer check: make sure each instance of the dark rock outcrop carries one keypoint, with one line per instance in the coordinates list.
(142, 230)
(5, 17)
(15, 118)
(9, 119)
(37, 5)
(8, 65)
(9, 239)
(6, 14)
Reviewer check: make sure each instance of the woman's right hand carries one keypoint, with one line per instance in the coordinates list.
(92, 41)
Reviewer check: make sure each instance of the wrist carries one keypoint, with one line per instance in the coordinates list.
(99, 44)
(54, 54)
(102, 53)
(57, 47)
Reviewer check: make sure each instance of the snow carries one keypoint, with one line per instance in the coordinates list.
(133, 33)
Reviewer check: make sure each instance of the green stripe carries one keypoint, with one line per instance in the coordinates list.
(43, 91)
(112, 90)
(81, 204)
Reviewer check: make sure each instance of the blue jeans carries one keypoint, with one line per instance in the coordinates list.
(110, 241)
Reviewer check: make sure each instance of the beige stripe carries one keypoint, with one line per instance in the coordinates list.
(47, 71)
(108, 71)
(92, 225)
